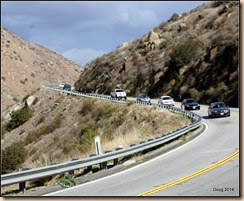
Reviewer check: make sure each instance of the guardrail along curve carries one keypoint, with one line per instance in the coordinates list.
(17, 177)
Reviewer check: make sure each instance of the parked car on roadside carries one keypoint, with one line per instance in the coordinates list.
(144, 98)
(166, 100)
(218, 109)
(190, 104)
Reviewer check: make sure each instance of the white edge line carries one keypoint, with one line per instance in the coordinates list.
(122, 172)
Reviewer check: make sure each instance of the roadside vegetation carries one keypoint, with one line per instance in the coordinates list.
(69, 130)
(13, 157)
(61, 136)
(19, 117)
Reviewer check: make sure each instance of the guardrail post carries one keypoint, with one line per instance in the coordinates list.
(116, 160)
(22, 185)
(89, 168)
(72, 172)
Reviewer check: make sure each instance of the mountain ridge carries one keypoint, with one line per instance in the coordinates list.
(26, 66)
(194, 54)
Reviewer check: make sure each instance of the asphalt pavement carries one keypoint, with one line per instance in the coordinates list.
(219, 141)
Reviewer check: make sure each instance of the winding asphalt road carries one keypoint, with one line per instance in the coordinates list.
(200, 167)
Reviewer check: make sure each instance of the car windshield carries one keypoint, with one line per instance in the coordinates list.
(190, 101)
(218, 105)
(119, 90)
(166, 98)
(143, 96)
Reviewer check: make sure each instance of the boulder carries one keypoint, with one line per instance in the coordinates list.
(152, 36)
(30, 100)
(224, 10)
(175, 17)
(129, 162)
(182, 27)
(213, 53)
(33, 74)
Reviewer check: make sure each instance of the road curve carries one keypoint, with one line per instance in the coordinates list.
(219, 141)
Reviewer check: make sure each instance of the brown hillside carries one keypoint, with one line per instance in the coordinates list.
(195, 54)
(26, 66)
(62, 127)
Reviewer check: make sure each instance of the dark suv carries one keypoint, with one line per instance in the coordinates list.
(190, 104)
(85, 90)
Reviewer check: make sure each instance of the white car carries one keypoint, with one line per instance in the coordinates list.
(118, 93)
(166, 100)
(61, 86)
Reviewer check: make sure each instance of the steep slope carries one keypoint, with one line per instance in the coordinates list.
(195, 54)
(26, 66)
(62, 127)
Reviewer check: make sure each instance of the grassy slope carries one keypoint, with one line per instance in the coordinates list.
(64, 127)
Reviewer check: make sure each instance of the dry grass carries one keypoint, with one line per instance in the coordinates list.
(116, 124)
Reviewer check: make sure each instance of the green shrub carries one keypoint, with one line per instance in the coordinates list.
(87, 134)
(104, 112)
(40, 120)
(19, 117)
(184, 53)
(67, 148)
(3, 130)
(164, 44)
(13, 156)
(66, 181)
(87, 106)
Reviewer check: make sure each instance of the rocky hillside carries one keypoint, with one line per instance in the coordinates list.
(194, 54)
(26, 66)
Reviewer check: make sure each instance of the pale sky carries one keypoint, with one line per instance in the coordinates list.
(84, 30)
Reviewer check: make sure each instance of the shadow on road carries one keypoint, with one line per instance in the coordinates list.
(208, 117)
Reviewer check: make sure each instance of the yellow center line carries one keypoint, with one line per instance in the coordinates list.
(195, 174)
(235, 116)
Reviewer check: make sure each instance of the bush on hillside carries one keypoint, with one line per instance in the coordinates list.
(87, 106)
(184, 53)
(19, 117)
(87, 134)
(13, 156)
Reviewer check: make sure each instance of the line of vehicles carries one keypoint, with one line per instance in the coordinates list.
(215, 109)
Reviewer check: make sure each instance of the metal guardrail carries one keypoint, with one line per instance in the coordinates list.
(18, 177)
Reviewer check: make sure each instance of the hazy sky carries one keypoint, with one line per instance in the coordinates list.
(84, 30)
